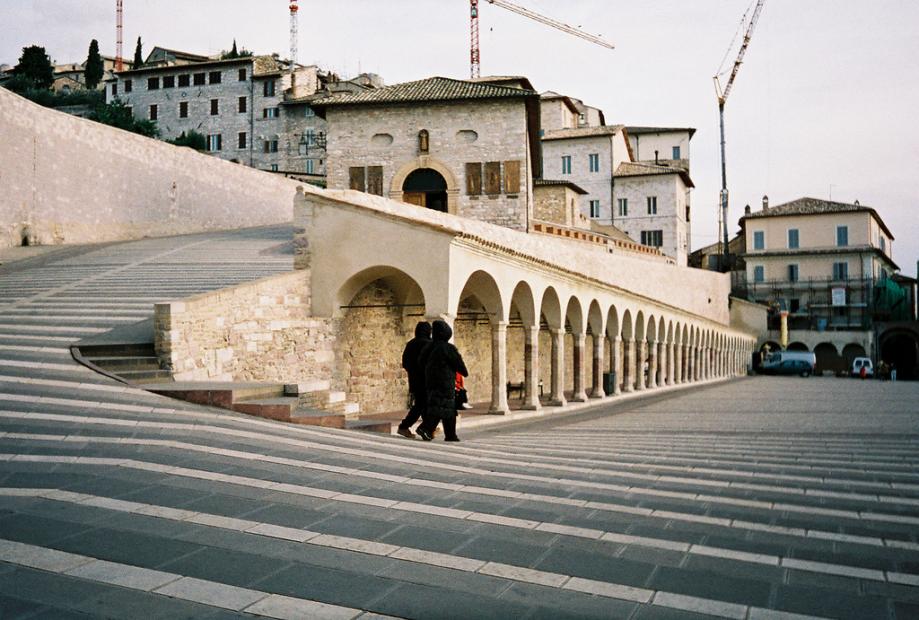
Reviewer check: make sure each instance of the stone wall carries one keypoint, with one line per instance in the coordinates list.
(65, 179)
(258, 331)
(671, 211)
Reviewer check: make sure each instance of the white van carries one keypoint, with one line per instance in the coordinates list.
(862, 362)
(789, 363)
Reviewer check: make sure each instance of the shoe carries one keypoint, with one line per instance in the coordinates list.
(451, 438)
(406, 432)
(424, 434)
(467, 406)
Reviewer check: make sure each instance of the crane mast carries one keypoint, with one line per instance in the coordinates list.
(722, 99)
(475, 55)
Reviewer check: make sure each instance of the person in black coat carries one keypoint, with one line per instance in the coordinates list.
(416, 388)
(441, 361)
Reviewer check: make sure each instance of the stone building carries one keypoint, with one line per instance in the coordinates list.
(663, 145)
(469, 148)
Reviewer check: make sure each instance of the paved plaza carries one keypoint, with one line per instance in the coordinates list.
(758, 498)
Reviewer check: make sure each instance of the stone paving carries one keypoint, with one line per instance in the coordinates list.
(760, 498)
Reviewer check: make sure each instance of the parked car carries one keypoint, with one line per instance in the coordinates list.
(789, 363)
(862, 362)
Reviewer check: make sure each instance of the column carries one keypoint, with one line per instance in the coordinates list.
(580, 346)
(628, 366)
(651, 379)
(558, 368)
(531, 367)
(641, 348)
(662, 360)
(696, 360)
(671, 363)
(499, 369)
(615, 363)
(596, 389)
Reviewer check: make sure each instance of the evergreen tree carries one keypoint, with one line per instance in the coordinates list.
(35, 67)
(138, 55)
(93, 69)
(233, 52)
(118, 114)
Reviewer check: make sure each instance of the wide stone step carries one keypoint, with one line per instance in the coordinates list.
(117, 350)
(315, 417)
(385, 427)
(218, 393)
(272, 408)
(119, 364)
(146, 376)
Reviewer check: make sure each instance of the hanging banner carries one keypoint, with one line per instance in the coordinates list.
(839, 296)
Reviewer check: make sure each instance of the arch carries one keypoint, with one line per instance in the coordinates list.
(828, 359)
(432, 163)
(407, 292)
(523, 302)
(639, 326)
(612, 322)
(595, 318)
(574, 315)
(851, 351)
(550, 309)
(481, 286)
(770, 346)
(652, 329)
(900, 348)
(797, 346)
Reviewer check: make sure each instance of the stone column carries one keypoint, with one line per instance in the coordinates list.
(558, 368)
(499, 369)
(577, 358)
(663, 360)
(628, 365)
(616, 364)
(671, 363)
(651, 379)
(693, 357)
(531, 367)
(596, 388)
(640, 357)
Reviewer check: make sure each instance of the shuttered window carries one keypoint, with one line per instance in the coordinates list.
(493, 177)
(356, 179)
(474, 178)
(512, 177)
(375, 180)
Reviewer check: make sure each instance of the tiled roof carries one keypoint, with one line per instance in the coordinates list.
(262, 65)
(552, 182)
(642, 169)
(581, 132)
(815, 206)
(430, 89)
(641, 130)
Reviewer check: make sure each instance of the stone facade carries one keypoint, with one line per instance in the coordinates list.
(661, 144)
(671, 197)
(70, 180)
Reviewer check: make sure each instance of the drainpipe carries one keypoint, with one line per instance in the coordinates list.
(612, 183)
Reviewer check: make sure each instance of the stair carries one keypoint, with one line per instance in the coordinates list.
(132, 362)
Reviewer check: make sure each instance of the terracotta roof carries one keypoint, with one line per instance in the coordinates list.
(553, 182)
(262, 65)
(430, 89)
(815, 206)
(503, 80)
(642, 169)
(581, 132)
(641, 130)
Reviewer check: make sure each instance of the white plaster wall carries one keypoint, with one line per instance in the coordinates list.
(644, 145)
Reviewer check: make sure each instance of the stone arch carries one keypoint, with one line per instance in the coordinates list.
(639, 326)
(523, 304)
(797, 346)
(900, 347)
(406, 290)
(550, 309)
(828, 358)
(481, 285)
(426, 161)
(574, 315)
(628, 330)
(480, 307)
(612, 322)
(851, 351)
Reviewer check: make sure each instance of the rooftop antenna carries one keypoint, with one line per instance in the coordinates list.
(119, 17)
(293, 33)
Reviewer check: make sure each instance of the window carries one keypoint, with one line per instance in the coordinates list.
(883, 243)
(594, 162)
(309, 112)
(128, 86)
(794, 305)
(274, 167)
(793, 238)
(759, 273)
(270, 113)
(214, 77)
(623, 204)
(242, 75)
(242, 140)
(243, 104)
(652, 205)
(842, 236)
(309, 166)
(153, 83)
(566, 164)
(169, 81)
(653, 238)
(840, 271)
(199, 79)
(676, 153)
(184, 80)
(759, 240)
(595, 208)
(115, 90)
(154, 112)
(268, 88)
(215, 107)
(792, 273)
(271, 146)
(215, 142)
(310, 136)
(183, 109)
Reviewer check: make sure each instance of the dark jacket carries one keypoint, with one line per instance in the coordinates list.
(441, 362)
(412, 353)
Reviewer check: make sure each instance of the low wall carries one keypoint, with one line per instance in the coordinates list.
(65, 179)
(258, 331)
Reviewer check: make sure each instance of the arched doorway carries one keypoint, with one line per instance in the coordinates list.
(901, 349)
(797, 346)
(828, 359)
(425, 187)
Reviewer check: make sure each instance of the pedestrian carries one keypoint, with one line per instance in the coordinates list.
(417, 394)
(441, 361)
(893, 372)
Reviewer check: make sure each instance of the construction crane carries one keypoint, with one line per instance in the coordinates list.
(119, 51)
(722, 99)
(294, 9)
(475, 54)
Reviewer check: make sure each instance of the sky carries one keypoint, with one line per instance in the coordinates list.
(823, 106)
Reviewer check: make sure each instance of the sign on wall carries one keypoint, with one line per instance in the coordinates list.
(839, 296)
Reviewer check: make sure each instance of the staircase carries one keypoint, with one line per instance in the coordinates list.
(134, 363)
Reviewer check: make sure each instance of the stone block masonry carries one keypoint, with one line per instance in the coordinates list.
(65, 179)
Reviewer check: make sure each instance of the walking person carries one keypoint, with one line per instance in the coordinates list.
(418, 397)
(441, 361)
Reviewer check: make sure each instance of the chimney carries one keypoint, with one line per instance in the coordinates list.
(765, 203)
(746, 210)
(655, 158)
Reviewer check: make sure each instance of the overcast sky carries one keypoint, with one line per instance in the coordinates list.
(824, 105)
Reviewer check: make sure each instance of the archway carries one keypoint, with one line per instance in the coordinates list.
(827, 358)
(480, 309)
(900, 349)
(797, 346)
(425, 187)
(850, 352)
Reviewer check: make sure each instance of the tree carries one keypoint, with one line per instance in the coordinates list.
(93, 69)
(35, 67)
(138, 55)
(193, 140)
(235, 53)
(119, 115)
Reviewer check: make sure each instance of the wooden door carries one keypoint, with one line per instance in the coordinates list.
(414, 198)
